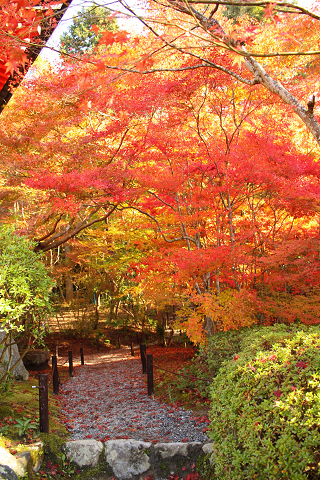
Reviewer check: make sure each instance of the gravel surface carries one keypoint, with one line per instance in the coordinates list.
(107, 399)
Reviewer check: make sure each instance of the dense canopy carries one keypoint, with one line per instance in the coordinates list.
(180, 163)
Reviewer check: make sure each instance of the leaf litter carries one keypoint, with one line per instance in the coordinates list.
(107, 399)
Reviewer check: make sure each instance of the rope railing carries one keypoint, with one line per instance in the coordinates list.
(147, 367)
(183, 375)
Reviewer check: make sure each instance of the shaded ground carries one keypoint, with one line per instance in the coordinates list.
(107, 399)
(170, 389)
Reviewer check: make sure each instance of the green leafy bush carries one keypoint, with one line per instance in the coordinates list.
(265, 410)
(222, 346)
(24, 283)
(24, 290)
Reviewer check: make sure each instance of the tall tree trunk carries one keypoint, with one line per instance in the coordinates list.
(67, 276)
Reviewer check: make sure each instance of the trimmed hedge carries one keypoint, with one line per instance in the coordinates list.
(265, 410)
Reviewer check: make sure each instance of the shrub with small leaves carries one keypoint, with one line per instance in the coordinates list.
(265, 409)
(222, 346)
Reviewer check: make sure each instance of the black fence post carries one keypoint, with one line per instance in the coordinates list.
(55, 375)
(150, 374)
(132, 351)
(43, 403)
(143, 351)
(81, 356)
(70, 363)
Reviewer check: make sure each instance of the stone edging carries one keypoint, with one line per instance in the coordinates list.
(126, 459)
(133, 459)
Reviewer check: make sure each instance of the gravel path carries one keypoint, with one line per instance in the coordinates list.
(107, 399)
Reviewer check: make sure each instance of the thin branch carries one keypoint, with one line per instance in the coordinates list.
(184, 237)
(38, 240)
(161, 200)
(45, 246)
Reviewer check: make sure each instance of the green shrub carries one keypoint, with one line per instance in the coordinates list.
(222, 346)
(24, 292)
(265, 410)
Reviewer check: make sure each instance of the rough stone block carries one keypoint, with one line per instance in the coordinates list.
(19, 372)
(85, 453)
(6, 473)
(23, 458)
(10, 461)
(127, 458)
(169, 450)
(206, 449)
(170, 458)
(36, 451)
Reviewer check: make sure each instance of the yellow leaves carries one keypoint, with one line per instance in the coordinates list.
(229, 309)
(237, 59)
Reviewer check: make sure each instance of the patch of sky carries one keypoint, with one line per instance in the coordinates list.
(125, 19)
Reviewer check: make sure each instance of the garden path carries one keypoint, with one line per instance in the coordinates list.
(107, 399)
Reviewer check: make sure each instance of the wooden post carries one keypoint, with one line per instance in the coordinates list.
(43, 403)
(119, 341)
(143, 352)
(150, 374)
(132, 351)
(81, 356)
(55, 375)
(70, 363)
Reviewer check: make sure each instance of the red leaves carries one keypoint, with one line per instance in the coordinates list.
(95, 28)
(17, 57)
(301, 365)
(193, 476)
(277, 393)
(109, 38)
(145, 64)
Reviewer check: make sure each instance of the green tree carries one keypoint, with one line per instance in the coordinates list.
(236, 11)
(24, 290)
(79, 38)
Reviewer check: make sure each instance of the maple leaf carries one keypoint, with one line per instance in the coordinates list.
(269, 9)
(107, 38)
(95, 28)
(17, 57)
(237, 59)
(301, 365)
(122, 36)
(145, 64)
(277, 393)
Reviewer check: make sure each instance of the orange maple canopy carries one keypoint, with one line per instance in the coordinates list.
(25, 30)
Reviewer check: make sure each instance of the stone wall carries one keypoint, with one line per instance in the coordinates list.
(126, 459)
(134, 460)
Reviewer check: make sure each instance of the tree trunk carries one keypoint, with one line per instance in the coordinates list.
(67, 276)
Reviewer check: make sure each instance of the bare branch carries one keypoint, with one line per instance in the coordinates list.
(65, 235)
(183, 237)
